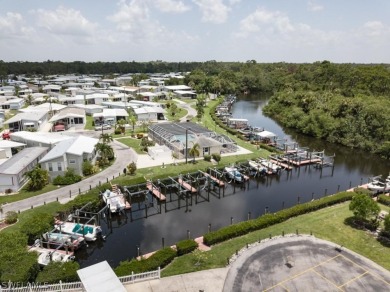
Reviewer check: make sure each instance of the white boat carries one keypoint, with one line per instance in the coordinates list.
(89, 232)
(272, 167)
(49, 256)
(115, 201)
(379, 185)
(255, 166)
(67, 240)
(234, 174)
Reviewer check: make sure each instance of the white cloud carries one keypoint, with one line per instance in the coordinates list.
(214, 11)
(63, 21)
(135, 25)
(375, 29)
(264, 21)
(171, 6)
(313, 6)
(12, 26)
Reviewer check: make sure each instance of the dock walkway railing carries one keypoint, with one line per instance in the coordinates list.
(76, 286)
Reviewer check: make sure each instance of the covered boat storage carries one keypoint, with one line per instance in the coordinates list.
(100, 278)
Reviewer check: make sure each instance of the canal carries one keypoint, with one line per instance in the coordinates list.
(126, 238)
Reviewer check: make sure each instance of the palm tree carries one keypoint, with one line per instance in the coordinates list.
(194, 151)
(105, 152)
(133, 121)
(106, 138)
(121, 125)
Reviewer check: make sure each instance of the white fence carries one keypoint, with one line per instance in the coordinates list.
(76, 286)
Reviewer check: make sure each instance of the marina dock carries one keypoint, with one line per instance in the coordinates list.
(186, 185)
(155, 191)
(40, 250)
(214, 179)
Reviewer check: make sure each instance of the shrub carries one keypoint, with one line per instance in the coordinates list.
(8, 191)
(117, 131)
(87, 168)
(131, 168)
(186, 246)
(17, 264)
(11, 217)
(159, 259)
(70, 177)
(387, 223)
(207, 157)
(216, 157)
(57, 271)
(245, 227)
(38, 224)
(383, 199)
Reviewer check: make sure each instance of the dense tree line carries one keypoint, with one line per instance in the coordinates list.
(346, 104)
(342, 103)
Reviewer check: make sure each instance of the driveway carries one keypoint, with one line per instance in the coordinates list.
(124, 156)
(190, 111)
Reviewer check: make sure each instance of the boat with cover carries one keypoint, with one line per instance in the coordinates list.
(61, 239)
(89, 232)
(115, 201)
(49, 256)
(234, 174)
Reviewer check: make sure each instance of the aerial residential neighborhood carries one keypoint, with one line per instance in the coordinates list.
(47, 114)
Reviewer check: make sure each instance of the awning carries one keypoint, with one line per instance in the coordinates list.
(100, 278)
(28, 124)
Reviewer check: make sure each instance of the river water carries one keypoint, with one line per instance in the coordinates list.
(127, 238)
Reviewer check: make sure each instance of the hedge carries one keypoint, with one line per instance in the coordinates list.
(385, 200)
(186, 246)
(159, 259)
(266, 220)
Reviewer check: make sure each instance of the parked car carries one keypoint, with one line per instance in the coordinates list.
(103, 127)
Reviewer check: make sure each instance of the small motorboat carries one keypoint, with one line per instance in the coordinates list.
(257, 167)
(87, 231)
(379, 185)
(233, 174)
(272, 167)
(49, 256)
(115, 201)
(67, 240)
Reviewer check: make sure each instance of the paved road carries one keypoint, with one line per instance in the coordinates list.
(190, 111)
(124, 156)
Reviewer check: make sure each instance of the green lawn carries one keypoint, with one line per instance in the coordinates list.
(326, 224)
(51, 208)
(178, 115)
(24, 194)
(133, 143)
(88, 124)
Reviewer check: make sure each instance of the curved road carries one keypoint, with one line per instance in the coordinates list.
(124, 155)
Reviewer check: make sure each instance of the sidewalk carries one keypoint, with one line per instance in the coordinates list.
(208, 280)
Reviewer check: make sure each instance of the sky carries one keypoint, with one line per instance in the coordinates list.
(297, 31)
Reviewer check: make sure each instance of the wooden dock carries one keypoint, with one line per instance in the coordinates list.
(187, 186)
(40, 250)
(305, 162)
(282, 164)
(214, 179)
(155, 191)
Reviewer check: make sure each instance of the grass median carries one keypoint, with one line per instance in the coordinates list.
(326, 224)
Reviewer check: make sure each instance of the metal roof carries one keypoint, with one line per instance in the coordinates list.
(39, 137)
(100, 278)
(30, 116)
(19, 161)
(76, 146)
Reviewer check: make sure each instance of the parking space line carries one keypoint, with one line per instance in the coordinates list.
(328, 280)
(303, 272)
